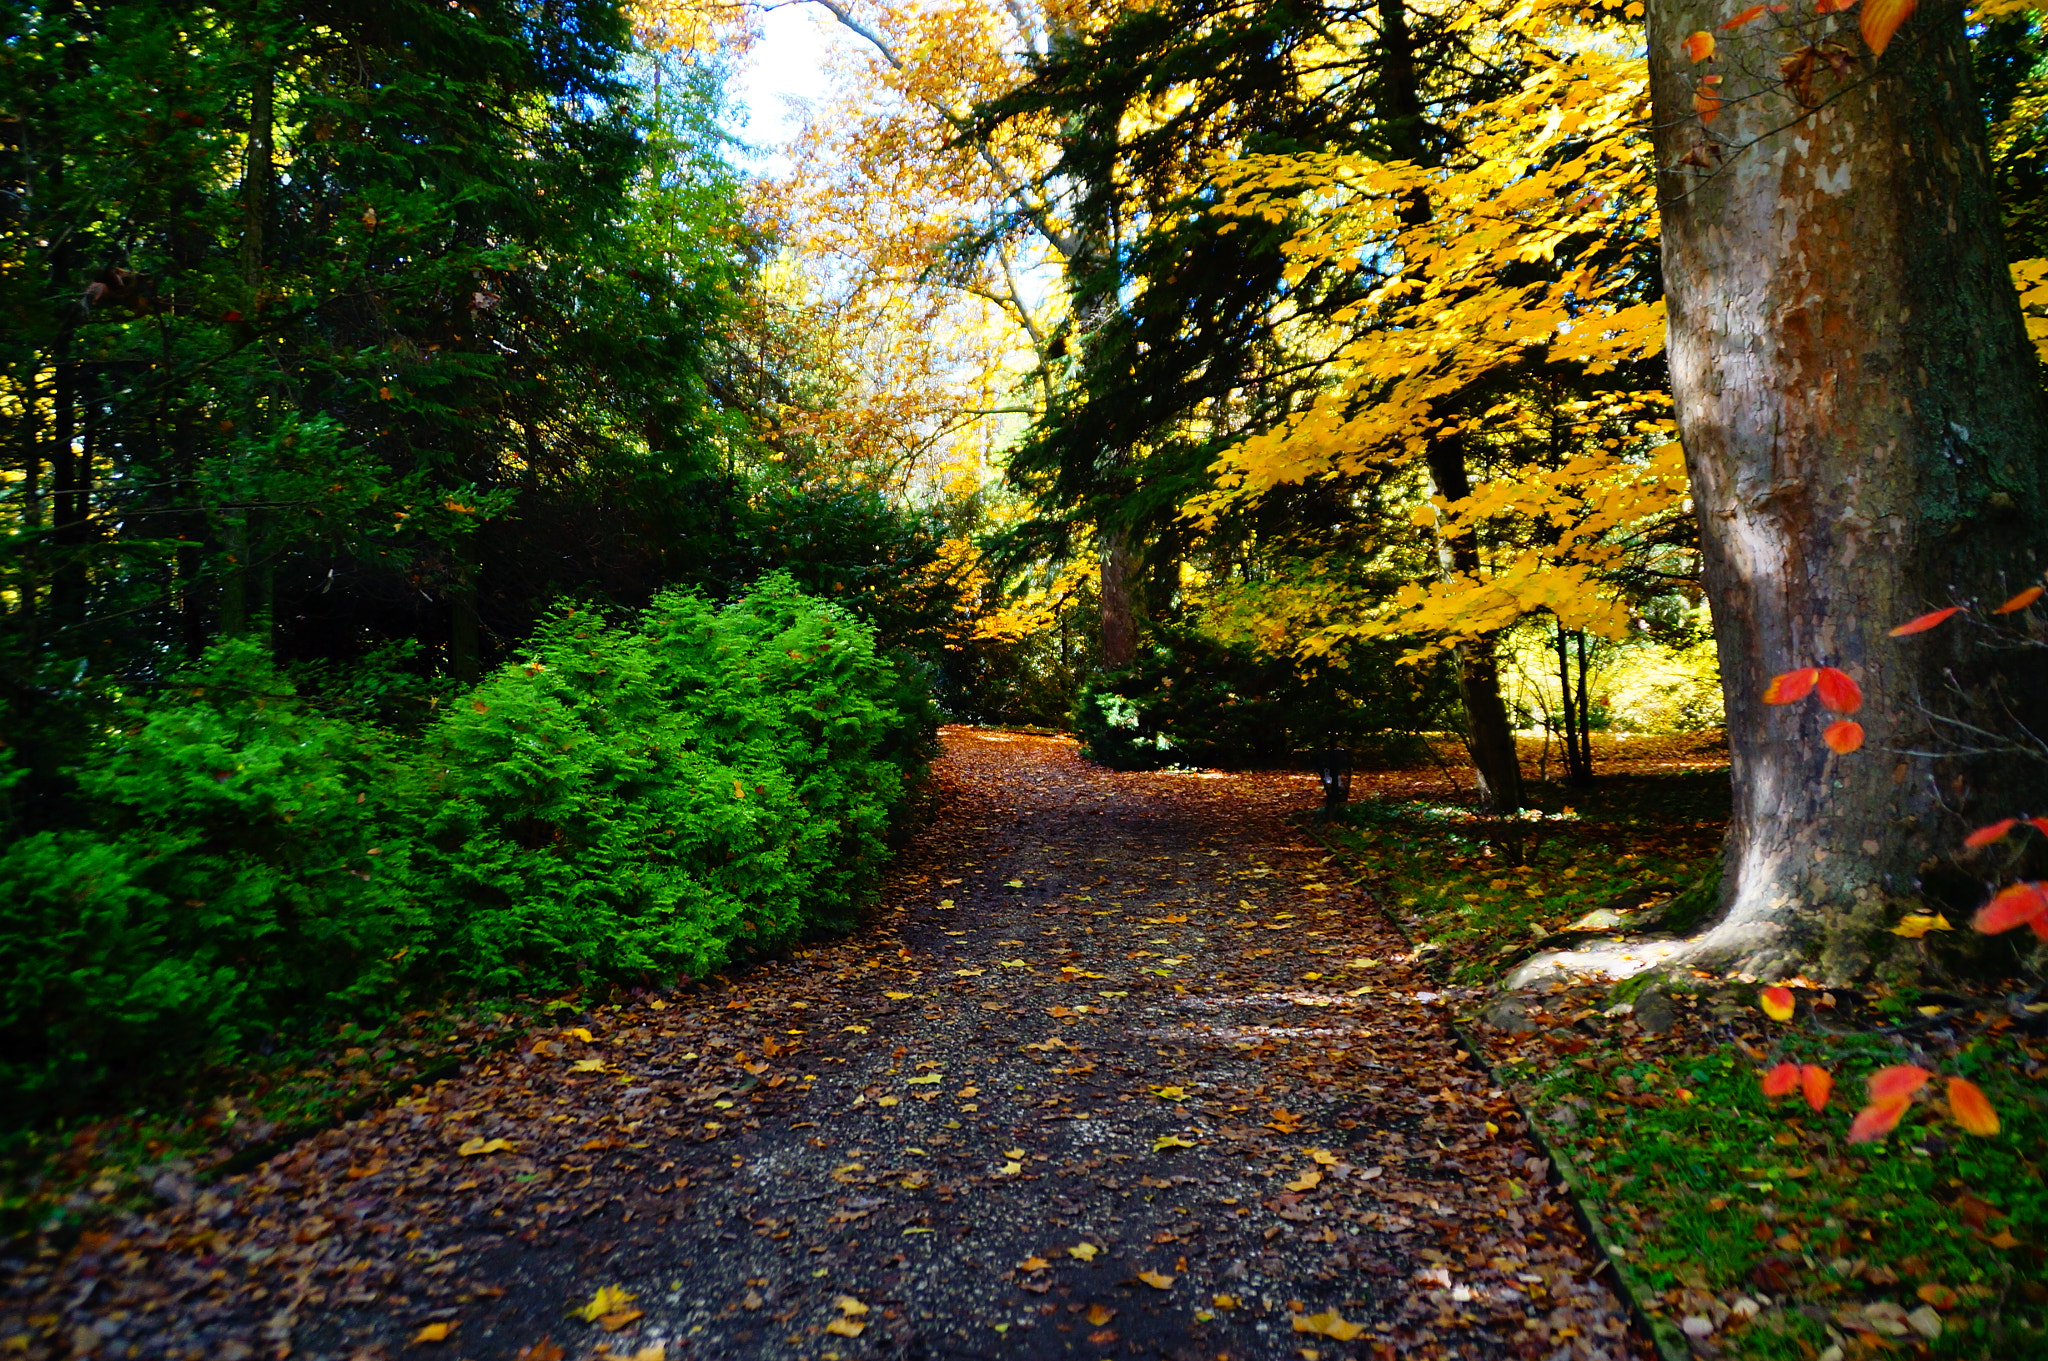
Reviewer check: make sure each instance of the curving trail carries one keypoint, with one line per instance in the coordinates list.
(1119, 1068)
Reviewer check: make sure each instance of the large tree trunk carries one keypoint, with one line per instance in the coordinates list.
(1862, 422)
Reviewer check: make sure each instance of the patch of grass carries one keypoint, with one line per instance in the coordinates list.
(1485, 892)
(77, 1172)
(1724, 1200)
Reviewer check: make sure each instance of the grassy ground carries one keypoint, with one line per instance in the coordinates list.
(1754, 1220)
(80, 1171)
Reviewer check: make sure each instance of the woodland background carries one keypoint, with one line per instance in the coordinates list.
(464, 533)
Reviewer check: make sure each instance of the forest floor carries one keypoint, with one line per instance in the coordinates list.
(1121, 1066)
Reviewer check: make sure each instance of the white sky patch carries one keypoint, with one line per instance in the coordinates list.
(789, 65)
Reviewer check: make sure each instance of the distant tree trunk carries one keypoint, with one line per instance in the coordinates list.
(1119, 623)
(465, 633)
(1488, 735)
(1862, 421)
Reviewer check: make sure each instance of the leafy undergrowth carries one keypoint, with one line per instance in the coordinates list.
(1757, 1219)
(82, 1172)
(1747, 1228)
(1483, 893)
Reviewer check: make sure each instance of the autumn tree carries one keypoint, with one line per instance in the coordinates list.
(1863, 425)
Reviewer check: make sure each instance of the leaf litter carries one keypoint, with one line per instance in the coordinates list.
(1097, 1077)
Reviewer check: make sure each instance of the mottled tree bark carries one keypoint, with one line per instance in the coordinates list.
(1863, 426)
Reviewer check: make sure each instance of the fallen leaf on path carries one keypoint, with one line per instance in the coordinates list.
(1327, 1324)
(609, 1299)
(433, 1332)
(1087, 1252)
(477, 1147)
(1158, 1280)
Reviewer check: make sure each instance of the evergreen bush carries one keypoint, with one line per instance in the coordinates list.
(660, 795)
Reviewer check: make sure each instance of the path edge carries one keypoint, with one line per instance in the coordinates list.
(1564, 1173)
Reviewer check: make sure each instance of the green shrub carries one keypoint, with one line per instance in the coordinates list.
(653, 796)
(1191, 700)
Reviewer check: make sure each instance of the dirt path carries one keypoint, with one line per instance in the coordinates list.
(1121, 1070)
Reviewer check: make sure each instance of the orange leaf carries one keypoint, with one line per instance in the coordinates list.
(1777, 1004)
(1899, 1081)
(1739, 20)
(1699, 45)
(1816, 1084)
(2020, 601)
(1877, 1119)
(2015, 903)
(1996, 831)
(433, 1332)
(1792, 686)
(1971, 1108)
(1830, 6)
(1881, 19)
(1781, 1080)
(1837, 691)
(1843, 736)
(1706, 101)
(1924, 622)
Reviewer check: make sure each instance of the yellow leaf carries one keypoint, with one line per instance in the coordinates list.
(657, 1352)
(1014, 883)
(433, 1332)
(1010, 1169)
(609, 1299)
(846, 1327)
(1156, 1279)
(899, 996)
(618, 1319)
(1327, 1324)
(582, 1034)
(1170, 1093)
(927, 1080)
(1323, 1156)
(587, 1066)
(1881, 19)
(479, 1146)
(1224, 1301)
(1914, 925)
(1033, 1264)
(1166, 1141)
(1087, 1252)
(1307, 1181)
(847, 1304)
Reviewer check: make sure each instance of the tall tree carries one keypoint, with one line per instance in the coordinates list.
(1863, 423)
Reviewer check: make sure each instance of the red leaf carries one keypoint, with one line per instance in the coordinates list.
(1816, 1084)
(1792, 686)
(1699, 45)
(1924, 622)
(1781, 1080)
(231, 316)
(2020, 601)
(1706, 100)
(1843, 736)
(1777, 1003)
(2014, 904)
(1739, 20)
(1830, 6)
(1838, 692)
(1881, 19)
(1899, 1081)
(2039, 824)
(1971, 1108)
(1984, 836)
(1878, 1119)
